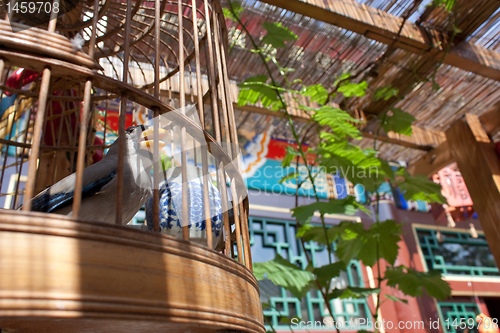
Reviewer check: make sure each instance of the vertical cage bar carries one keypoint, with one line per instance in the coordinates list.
(201, 113)
(156, 146)
(206, 195)
(123, 112)
(237, 221)
(223, 109)
(232, 122)
(87, 102)
(37, 131)
(185, 188)
(37, 136)
(199, 90)
(245, 235)
(211, 76)
(224, 199)
(80, 160)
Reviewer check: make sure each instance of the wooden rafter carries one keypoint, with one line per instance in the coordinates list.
(480, 167)
(406, 77)
(421, 139)
(440, 156)
(383, 27)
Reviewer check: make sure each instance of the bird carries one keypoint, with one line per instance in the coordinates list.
(100, 180)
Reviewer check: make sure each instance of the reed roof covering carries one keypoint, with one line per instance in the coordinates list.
(324, 51)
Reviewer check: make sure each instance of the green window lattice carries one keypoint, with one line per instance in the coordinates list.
(270, 236)
(457, 317)
(457, 254)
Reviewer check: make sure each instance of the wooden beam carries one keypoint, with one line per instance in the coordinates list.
(439, 157)
(480, 167)
(491, 119)
(421, 139)
(433, 161)
(383, 27)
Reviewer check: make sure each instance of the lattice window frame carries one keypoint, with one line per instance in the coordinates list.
(460, 310)
(436, 262)
(352, 308)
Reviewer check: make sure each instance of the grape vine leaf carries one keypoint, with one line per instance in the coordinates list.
(283, 273)
(348, 206)
(277, 34)
(385, 93)
(308, 233)
(326, 273)
(412, 282)
(397, 121)
(419, 187)
(357, 242)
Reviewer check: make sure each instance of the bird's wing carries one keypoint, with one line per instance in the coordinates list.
(61, 194)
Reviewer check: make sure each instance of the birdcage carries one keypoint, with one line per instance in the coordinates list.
(108, 106)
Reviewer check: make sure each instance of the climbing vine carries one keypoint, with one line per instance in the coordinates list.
(376, 245)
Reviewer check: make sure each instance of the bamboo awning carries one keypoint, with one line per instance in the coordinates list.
(356, 44)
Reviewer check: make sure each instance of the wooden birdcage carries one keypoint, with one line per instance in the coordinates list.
(72, 82)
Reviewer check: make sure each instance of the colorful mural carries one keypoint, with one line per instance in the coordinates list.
(263, 171)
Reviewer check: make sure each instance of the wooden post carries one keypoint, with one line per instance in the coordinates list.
(479, 164)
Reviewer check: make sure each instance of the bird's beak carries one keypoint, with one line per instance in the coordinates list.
(147, 140)
(150, 132)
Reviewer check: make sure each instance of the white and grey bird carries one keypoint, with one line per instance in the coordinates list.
(100, 179)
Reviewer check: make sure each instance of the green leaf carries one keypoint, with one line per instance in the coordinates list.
(308, 233)
(277, 34)
(255, 89)
(348, 206)
(353, 89)
(436, 86)
(396, 299)
(342, 78)
(419, 187)
(291, 175)
(166, 161)
(328, 272)
(236, 8)
(349, 161)
(317, 92)
(283, 273)
(341, 122)
(412, 282)
(385, 93)
(352, 292)
(291, 153)
(398, 122)
(357, 242)
(447, 4)
(388, 234)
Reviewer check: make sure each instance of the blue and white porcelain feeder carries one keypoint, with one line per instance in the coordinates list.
(171, 219)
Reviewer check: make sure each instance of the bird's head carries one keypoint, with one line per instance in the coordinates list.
(143, 137)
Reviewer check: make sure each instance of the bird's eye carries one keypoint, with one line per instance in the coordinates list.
(130, 129)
